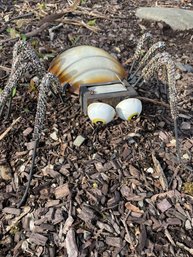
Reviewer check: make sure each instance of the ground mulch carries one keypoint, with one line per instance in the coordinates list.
(123, 191)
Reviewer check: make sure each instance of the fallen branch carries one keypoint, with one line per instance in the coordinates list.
(158, 102)
(9, 128)
(38, 30)
(22, 16)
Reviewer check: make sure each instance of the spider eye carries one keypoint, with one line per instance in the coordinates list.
(129, 108)
(101, 113)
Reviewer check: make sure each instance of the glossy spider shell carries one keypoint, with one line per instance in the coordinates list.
(84, 65)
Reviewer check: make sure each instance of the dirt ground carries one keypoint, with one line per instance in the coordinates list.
(123, 191)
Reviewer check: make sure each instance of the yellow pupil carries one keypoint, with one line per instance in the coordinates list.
(132, 115)
(98, 120)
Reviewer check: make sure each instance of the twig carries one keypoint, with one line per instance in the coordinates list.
(38, 30)
(158, 102)
(182, 246)
(75, 4)
(9, 128)
(52, 17)
(81, 24)
(169, 237)
(12, 40)
(47, 22)
(55, 16)
(15, 221)
(5, 68)
(5, 24)
(22, 16)
(153, 101)
(32, 33)
(92, 13)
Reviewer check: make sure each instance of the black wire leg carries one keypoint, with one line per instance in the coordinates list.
(1, 110)
(39, 121)
(24, 198)
(9, 108)
(61, 97)
(131, 69)
(138, 80)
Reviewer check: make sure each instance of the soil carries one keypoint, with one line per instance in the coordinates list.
(123, 191)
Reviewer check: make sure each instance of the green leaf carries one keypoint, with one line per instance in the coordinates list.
(34, 43)
(73, 39)
(41, 6)
(95, 185)
(13, 32)
(26, 110)
(13, 92)
(23, 37)
(91, 22)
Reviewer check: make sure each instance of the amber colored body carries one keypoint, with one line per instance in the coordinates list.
(85, 65)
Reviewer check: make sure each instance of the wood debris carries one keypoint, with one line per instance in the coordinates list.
(62, 191)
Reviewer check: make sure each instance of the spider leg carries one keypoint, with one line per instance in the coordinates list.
(24, 197)
(138, 52)
(24, 60)
(9, 106)
(159, 46)
(48, 81)
(59, 94)
(158, 61)
(56, 89)
(12, 82)
(148, 71)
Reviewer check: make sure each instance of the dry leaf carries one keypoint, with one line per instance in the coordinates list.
(133, 208)
(160, 172)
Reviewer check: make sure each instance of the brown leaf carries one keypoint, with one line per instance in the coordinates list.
(160, 172)
(134, 172)
(133, 208)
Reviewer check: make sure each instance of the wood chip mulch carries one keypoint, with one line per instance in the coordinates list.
(121, 192)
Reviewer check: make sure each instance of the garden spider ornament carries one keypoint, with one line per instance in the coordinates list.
(84, 66)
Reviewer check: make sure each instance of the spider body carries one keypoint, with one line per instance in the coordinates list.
(84, 65)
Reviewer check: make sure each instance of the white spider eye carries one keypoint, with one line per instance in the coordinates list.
(129, 108)
(101, 112)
